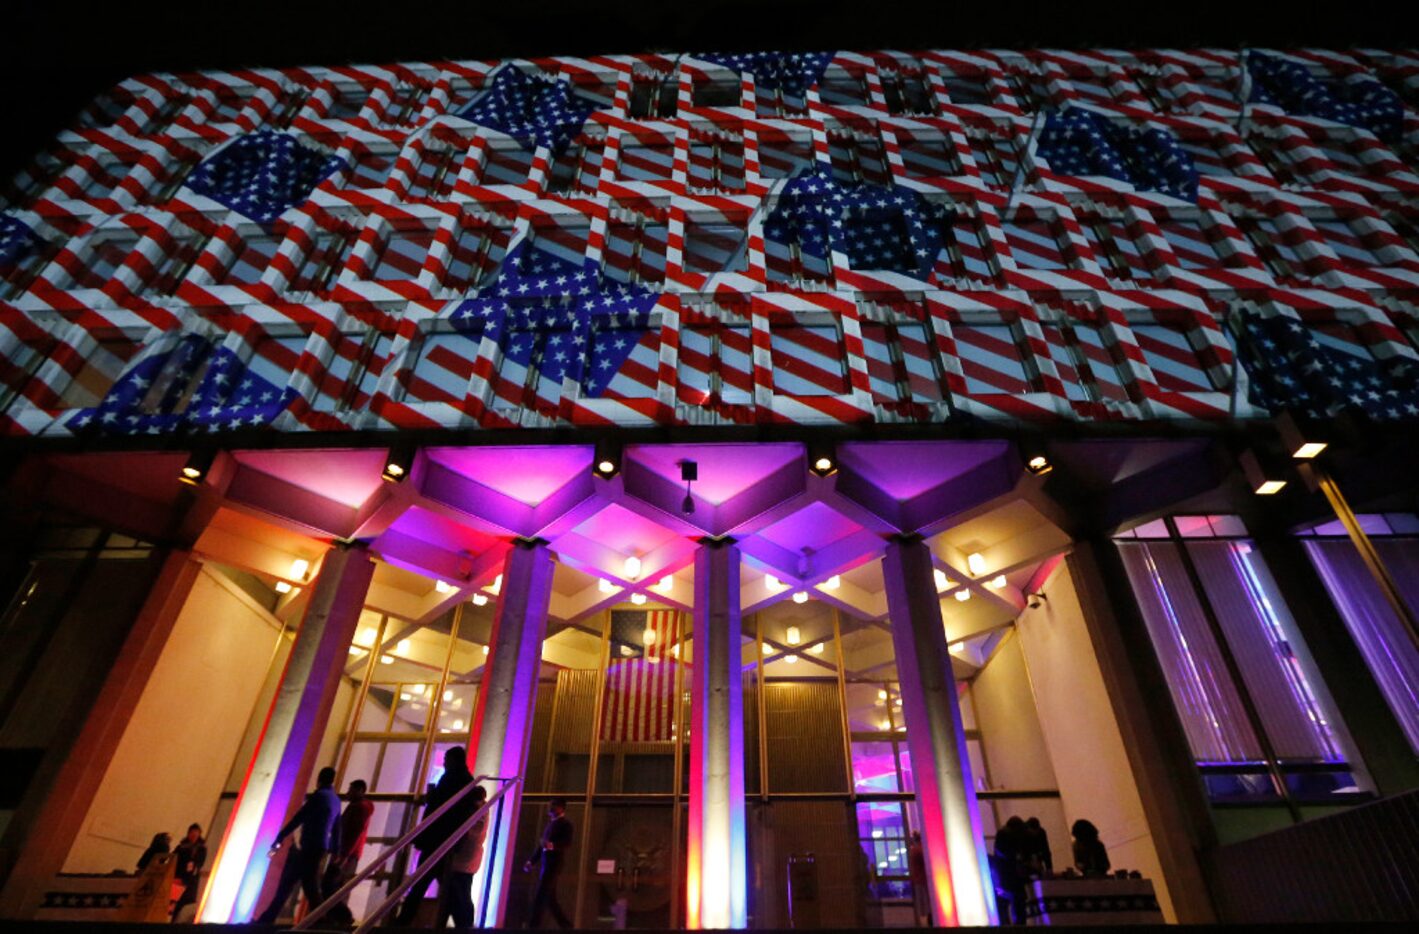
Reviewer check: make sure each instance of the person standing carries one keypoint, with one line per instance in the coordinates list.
(550, 856)
(921, 895)
(354, 829)
(319, 821)
(191, 854)
(1090, 856)
(161, 846)
(456, 899)
(455, 778)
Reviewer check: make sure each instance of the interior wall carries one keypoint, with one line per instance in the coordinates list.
(177, 751)
(1014, 744)
(1083, 738)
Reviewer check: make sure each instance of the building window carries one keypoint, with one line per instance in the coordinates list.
(968, 90)
(858, 158)
(715, 364)
(782, 156)
(654, 96)
(437, 170)
(1117, 252)
(927, 155)
(1256, 715)
(506, 166)
(403, 248)
(908, 93)
(1037, 243)
(901, 362)
(807, 360)
(648, 162)
(1350, 246)
(476, 254)
(839, 88)
(1192, 243)
(578, 167)
(635, 251)
(354, 370)
(991, 359)
(372, 165)
(444, 368)
(997, 159)
(1276, 247)
(716, 162)
(1380, 635)
(322, 264)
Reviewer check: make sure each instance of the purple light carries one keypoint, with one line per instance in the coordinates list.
(528, 475)
(906, 469)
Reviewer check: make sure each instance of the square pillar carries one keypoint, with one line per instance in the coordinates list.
(507, 699)
(716, 883)
(958, 873)
(59, 818)
(285, 755)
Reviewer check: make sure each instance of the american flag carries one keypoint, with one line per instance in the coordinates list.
(877, 226)
(639, 702)
(790, 72)
(540, 111)
(261, 175)
(1081, 142)
(1360, 100)
(157, 394)
(16, 241)
(1316, 375)
(599, 335)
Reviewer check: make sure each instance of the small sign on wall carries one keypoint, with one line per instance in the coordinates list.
(605, 867)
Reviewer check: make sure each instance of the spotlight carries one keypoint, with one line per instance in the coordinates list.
(975, 563)
(821, 460)
(942, 581)
(398, 463)
(198, 463)
(818, 648)
(833, 583)
(790, 659)
(638, 599)
(605, 586)
(299, 568)
(997, 582)
(480, 600)
(1265, 480)
(792, 636)
(665, 584)
(801, 597)
(282, 587)
(1038, 465)
(633, 567)
(962, 595)
(443, 586)
(607, 461)
(1303, 441)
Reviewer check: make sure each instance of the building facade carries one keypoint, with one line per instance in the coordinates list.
(781, 457)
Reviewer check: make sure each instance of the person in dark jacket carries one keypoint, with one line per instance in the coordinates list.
(550, 856)
(319, 821)
(191, 854)
(161, 846)
(345, 861)
(1038, 860)
(455, 778)
(1090, 856)
(1009, 866)
(456, 892)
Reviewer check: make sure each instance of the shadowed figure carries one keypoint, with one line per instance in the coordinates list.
(550, 856)
(319, 821)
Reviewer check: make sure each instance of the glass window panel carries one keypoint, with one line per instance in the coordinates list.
(991, 359)
(396, 770)
(807, 360)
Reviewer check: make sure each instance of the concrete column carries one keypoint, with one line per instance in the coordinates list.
(962, 892)
(1169, 785)
(280, 768)
(50, 829)
(1378, 738)
(716, 882)
(507, 699)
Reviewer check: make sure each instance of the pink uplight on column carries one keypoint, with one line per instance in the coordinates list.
(716, 882)
(962, 892)
(507, 697)
(285, 753)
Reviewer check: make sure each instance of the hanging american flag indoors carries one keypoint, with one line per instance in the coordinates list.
(638, 706)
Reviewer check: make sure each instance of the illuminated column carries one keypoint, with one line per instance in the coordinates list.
(280, 768)
(961, 889)
(507, 697)
(715, 864)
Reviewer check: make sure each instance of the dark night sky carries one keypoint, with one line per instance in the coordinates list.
(54, 56)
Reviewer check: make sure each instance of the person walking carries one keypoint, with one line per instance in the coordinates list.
(191, 854)
(456, 899)
(550, 857)
(344, 862)
(319, 821)
(455, 778)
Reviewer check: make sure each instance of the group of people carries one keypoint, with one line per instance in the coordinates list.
(1022, 853)
(328, 852)
(188, 859)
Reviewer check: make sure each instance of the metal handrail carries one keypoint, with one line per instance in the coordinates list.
(403, 843)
